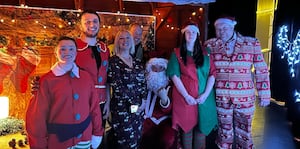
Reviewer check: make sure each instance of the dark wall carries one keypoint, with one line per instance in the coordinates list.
(244, 12)
(283, 85)
(166, 39)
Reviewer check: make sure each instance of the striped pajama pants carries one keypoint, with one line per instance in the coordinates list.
(82, 145)
(235, 123)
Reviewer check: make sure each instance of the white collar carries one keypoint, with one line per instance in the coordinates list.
(59, 71)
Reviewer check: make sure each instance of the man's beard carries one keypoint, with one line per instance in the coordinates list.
(157, 80)
(91, 35)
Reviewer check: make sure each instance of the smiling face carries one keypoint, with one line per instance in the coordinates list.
(224, 31)
(137, 33)
(66, 51)
(123, 42)
(90, 25)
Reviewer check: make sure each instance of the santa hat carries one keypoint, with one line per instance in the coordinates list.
(156, 61)
(227, 20)
(190, 25)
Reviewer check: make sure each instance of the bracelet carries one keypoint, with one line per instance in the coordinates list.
(165, 106)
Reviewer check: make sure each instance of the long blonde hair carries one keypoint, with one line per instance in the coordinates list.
(116, 42)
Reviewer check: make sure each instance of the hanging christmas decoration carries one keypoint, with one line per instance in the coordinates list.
(68, 16)
(3, 40)
(297, 96)
(291, 49)
(149, 40)
(26, 63)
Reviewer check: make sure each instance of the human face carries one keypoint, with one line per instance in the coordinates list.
(224, 31)
(124, 41)
(157, 68)
(136, 32)
(190, 36)
(90, 25)
(66, 51)
(156, 78)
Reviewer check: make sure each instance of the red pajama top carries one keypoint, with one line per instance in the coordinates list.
(86, 60)
(234, 81)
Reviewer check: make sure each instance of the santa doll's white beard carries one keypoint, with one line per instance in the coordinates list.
(156, 80)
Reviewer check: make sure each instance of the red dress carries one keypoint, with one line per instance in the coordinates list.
(185, 116)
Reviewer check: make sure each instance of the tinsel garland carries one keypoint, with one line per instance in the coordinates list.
(10, 126)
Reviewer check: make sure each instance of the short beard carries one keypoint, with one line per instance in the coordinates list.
(157, 80)
(90, 35)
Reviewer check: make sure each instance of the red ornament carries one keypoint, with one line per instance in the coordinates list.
(169, 20)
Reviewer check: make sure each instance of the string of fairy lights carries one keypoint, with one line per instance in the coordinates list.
(290, 51)
(297, 96)
(68, 21)
(170, 23)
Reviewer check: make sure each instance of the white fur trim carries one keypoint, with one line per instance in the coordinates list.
(156, 61)
(225, 20)
(192, 28)
(59, 71)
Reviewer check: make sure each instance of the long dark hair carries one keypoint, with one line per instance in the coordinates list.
(197, 52)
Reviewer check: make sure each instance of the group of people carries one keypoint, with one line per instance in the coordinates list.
(155, 103)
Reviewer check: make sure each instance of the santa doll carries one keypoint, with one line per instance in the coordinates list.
(157, 128)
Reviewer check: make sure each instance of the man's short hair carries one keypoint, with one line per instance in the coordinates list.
(90, 12)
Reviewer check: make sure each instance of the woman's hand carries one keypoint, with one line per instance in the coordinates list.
(141, 108)
(201, 99)
(106, 110)
(190, 100)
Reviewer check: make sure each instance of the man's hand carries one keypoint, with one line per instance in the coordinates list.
(106, 110)
(264, 103)
(95, 141)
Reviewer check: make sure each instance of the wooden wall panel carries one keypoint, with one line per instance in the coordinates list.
(65, 4)
(102, 5)
(9, 2)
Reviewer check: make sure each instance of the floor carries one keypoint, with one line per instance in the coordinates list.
(271, 130)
